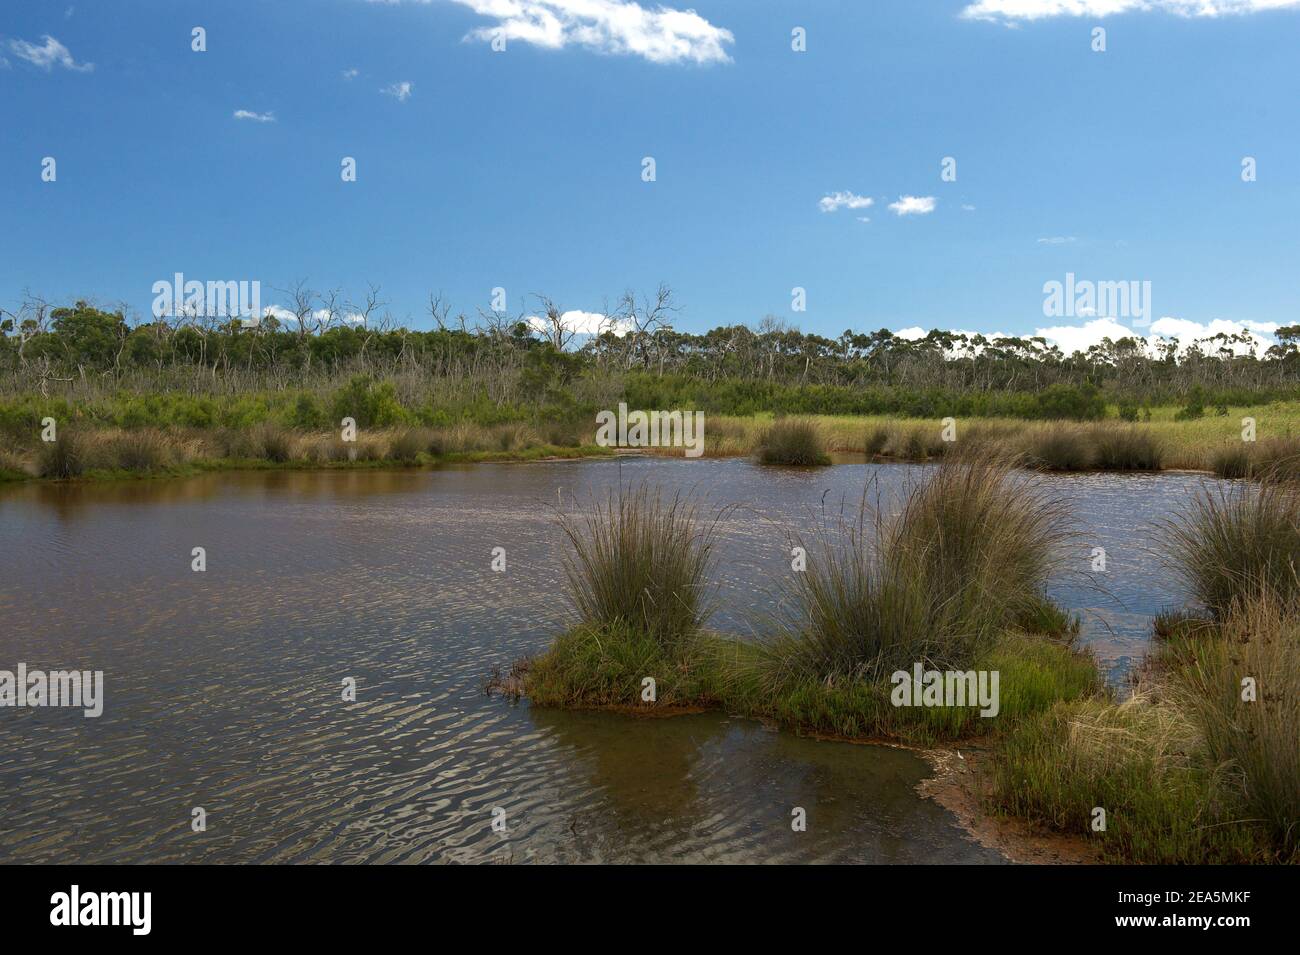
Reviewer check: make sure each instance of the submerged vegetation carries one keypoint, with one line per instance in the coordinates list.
(1189, 768)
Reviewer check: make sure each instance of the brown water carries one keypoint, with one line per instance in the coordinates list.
(223, 688)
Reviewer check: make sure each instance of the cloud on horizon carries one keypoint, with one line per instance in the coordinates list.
(584, 323)
(1079, 338)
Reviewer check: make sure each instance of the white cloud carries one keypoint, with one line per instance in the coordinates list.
(913, 205)
(584, 323)
(967, 208)
(350, 74)
(1079, 338)
(1187, 331)
(661, 35)
(50, 54)
(399, 91)
(255, 117)
(843, 200)
(283, 315)
(1057, 240)
(1072, 338)
(1007, 10)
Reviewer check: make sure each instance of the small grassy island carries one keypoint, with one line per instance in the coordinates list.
(1189, 767)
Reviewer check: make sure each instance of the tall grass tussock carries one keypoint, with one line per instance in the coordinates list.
(793, 441)
(1237, 543)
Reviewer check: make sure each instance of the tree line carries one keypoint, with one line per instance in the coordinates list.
(46, 347)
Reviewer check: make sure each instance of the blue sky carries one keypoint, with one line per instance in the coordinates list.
(523, 169)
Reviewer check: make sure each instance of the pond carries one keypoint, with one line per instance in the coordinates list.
(224, 689)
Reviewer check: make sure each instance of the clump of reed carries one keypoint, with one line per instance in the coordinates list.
(917, 444)
(1232, 461)
(143, 449)
(406, 445)
(1256, 741)
(876, 441)
(68, 456)
(966, 558)
(1233, 544)
(1059, 449)
(641, 560)
(263, 442)
(793, 441)
(1187, 770)
(1277, 459)
(12, 464)
(1141, 761)
(1126, 449)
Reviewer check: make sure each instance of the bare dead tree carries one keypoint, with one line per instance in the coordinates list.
(439, 309)
(554, 328)
(643, 318)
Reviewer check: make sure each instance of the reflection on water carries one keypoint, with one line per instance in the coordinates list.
(223, 689)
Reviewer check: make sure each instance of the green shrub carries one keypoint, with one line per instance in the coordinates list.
(370, 403)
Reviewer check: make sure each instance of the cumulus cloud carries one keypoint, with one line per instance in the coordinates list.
(843, 200)
(49, 54)
(255, 117)
(284, 316)
(350, 74)
(399, 91)
(661, 35)
(584, 323)
(1012, 10)
(1072, 338)
(913, 205)
(1258, 336)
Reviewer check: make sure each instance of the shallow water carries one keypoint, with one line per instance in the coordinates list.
(223, 688)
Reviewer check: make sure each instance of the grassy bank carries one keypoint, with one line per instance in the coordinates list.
(1202, 763)
(1186, 770)
(92, 448)
(406, 419)
(1209, 443)
(105, 453)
